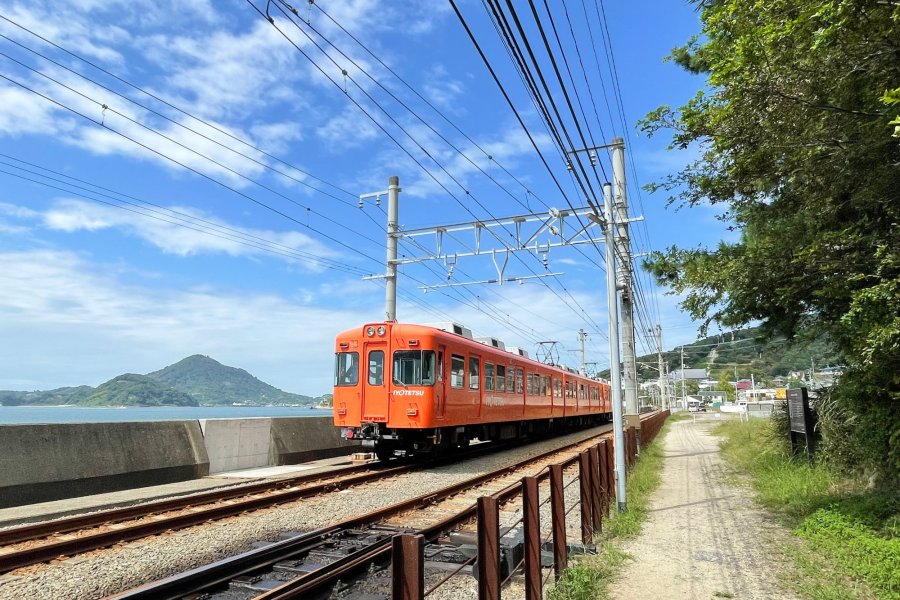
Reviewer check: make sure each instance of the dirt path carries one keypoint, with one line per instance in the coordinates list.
(704, 539)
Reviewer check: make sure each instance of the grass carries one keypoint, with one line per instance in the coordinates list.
(589, 577)
(847, 542)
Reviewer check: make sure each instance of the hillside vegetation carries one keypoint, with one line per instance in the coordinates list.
(196, 380)
(744, 352)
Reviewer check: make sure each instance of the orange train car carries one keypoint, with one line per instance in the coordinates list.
(419, 388)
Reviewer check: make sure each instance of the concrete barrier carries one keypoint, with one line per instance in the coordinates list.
(296, 440)
(234, 444)
(39, 463)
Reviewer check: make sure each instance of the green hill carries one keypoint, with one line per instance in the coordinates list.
(136, 390)
(193, 381)
(210, 382)
(57, 397)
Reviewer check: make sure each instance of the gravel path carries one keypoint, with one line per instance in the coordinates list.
(704, 539)
(105, 572)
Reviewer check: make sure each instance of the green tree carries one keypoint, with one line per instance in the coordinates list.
(724, 384)
(797, 149)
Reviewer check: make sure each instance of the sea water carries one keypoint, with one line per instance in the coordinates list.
(106, 414)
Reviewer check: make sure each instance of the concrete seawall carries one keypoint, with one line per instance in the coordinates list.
(39, 463)
(234, 444)
(46, 462)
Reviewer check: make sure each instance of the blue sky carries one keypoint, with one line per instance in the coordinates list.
(199, 180)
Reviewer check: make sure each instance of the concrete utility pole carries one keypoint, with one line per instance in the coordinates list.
(615, 377)
(683, 389)
(390, 294)
(663, 385)
(391, 262)
(581, 336)
(623, 249)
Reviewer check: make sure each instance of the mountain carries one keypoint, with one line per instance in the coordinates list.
(190, 382)
(137, 390)
(210, 382)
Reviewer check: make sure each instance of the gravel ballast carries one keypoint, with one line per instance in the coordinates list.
(105, 572)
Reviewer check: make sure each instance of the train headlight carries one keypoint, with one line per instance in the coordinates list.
(381, 330)
(370, 331)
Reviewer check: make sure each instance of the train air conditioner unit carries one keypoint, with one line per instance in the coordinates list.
(454, 328)
(491, 341)
(518, 352)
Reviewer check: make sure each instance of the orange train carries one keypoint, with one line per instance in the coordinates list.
(420, 388)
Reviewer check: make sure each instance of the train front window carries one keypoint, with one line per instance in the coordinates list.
(414, 367)
(346, 368)
(376, 367)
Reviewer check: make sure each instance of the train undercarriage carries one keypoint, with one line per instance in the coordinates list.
(386, 442)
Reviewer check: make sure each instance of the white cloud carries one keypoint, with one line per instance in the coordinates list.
(443, 90)
(163, 231)
(65, 321)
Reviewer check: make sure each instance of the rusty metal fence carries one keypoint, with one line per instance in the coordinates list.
(596, 481)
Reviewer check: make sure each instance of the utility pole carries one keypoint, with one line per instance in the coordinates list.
(664, 396)
(391, 262)
(683, 389)
(615, 377)
(390, 294)
(623, 249)
(581, 336)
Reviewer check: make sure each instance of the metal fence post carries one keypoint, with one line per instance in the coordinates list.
(611, 471)
(558, 519)
(584, 479)
(604, 476)
(532, 522)
(596, 500)
(488, 548)
(407, 567)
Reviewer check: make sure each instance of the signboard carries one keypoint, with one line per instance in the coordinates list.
(801, 422)
(798, 409)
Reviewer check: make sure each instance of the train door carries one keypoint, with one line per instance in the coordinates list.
(440, 386)
(475, 384)
(375, 398)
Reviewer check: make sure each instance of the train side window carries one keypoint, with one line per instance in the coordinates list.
(376, 367)
(529, 384)
(520, 376)
(457, 370)
(474, 372)
(440, 366)
(489, 377)
(557, 387)
(346, 368)
(501, 378)
(511, 380)
(413, 367)
(546, 388)
(581, 392)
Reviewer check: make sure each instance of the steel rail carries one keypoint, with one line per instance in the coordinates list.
(34, 531)
(315, 581)
(70, 545)
(202, 578)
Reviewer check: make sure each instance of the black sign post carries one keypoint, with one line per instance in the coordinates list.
(802, 423)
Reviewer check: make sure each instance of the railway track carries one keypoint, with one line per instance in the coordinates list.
(33, 544)
(39, 542)
(309, 564)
